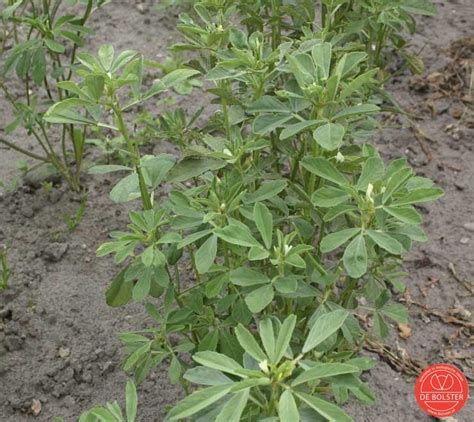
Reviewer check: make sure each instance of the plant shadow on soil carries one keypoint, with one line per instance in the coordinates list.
(58, 341)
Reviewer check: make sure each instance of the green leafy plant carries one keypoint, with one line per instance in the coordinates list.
(46, 36)
(281, 224)
(72, 221)
(379, 25)
(5, 272)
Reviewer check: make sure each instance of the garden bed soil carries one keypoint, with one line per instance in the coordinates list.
(59, 351)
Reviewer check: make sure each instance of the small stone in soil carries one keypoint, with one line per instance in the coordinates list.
(464, 240)
(64, 352)
(55, 251)
(469, 226)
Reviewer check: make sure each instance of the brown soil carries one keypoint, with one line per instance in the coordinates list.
(58, 341)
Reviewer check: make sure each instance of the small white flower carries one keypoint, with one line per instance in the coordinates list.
(264, 366)
(339, 157)
(287, 248)
(370, 190)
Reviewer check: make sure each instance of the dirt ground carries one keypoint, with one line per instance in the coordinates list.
(58, 341)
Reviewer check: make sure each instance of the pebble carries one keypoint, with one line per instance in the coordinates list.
(469, 226)
(64, 352)
(464, 240)
(55, 251)
(108, 367)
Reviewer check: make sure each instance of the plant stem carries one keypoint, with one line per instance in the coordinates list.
(23, 151)
(135, 154)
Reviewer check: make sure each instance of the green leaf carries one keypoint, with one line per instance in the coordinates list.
(268, 104)
(284, 337)
(265, 329)
(328, 197)
(94, 86)
(206, 376)
(131, 401)
(120, 292)
(249, 344)
(329, 136)
(264, 221)
(322, 58)
(177, 76)
(337, 211)
(324, 326)
(108, 168)
(267, 190)
(396, 311)
(287, 409)
(355, 257)
(406, 214)
(141, 289)
(257, 253)
(287, 284)
(266, 123)
(234, 408)
(294, 129)
(380, 326)
(385, 241)
(38, 66)
(106, 56)
(148, 255)
(418, 196)
(334, 240)
(324, 370)
(54, 46)
(65, 112)
(349, 61)
(191, 167)
(356, 110)
(325, 169)
(244, 276)
(198, 401)
(217, 361)
(206, 254)
(126, 190)
(420, 7)
(396, 180)
(357, 83)
(174, 370)
(330, 411)
(372, 171)
(237, 234)
(260, 298)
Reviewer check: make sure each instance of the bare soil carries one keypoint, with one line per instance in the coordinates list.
(58, 341)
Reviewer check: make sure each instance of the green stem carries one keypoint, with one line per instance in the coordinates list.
(23, 151)
(276, 24)
(135, 154)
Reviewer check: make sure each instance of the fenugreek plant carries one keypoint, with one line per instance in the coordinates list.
(282, 228)
(43, 38)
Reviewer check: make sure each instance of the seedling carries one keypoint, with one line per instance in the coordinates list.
(5, 271)
(72, 221)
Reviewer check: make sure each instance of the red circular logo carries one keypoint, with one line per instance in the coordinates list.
(441, 390)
